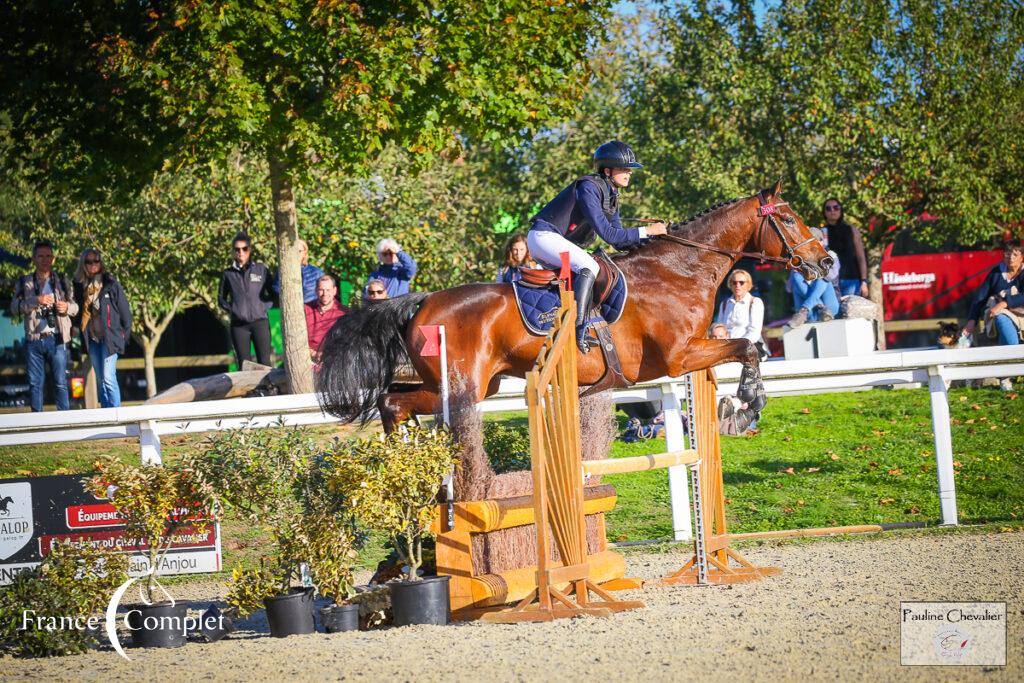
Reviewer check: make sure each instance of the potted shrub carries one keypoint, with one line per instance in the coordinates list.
(154, 503)
(72, 582)
(392, 483)
(270, 478)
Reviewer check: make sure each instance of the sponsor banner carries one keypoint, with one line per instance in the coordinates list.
(953, 633)
(185, 537)
(176, 563)
(37, 512)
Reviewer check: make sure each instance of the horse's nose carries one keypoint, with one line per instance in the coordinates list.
(826, 264)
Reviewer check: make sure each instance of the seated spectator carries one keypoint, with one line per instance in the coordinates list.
(719, 331)
(47, 302)
(105, 322)
(1001, 299)
(396, 268)
(845, 240)
(734, 417)
(376, 290)
(310, 275)
(743, 313)
(816, 300)
(517, 258)
(322, 313)
(637, 431)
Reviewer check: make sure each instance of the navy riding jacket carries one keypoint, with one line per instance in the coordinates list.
(996, 285)
(579, 211)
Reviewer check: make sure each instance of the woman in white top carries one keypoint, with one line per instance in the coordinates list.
(742, 313)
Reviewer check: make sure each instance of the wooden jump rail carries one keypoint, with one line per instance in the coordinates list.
(552, 589)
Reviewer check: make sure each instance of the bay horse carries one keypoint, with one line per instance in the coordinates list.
(672, 281)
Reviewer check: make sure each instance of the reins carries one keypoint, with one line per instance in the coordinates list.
(767, 212)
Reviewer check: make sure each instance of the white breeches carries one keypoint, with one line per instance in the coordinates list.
(547, 247)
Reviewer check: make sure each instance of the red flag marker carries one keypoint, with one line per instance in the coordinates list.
(431, 340)
(566, 272)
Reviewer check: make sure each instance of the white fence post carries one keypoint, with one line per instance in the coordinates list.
(149, 439)
(943, 445)
(678, 487)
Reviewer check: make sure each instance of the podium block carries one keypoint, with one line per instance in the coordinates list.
(836, 338)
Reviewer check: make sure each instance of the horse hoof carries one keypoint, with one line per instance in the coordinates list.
(746, 394)
(758, 402)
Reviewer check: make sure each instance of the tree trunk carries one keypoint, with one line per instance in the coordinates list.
(293, 317)
(149, 355)
(873, 253)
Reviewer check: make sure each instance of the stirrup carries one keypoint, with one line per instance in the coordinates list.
(586, 341)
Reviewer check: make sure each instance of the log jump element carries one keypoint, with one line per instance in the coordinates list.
(552, 398)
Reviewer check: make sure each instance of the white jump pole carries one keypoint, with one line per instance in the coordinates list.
(678, 486)
(449, 482)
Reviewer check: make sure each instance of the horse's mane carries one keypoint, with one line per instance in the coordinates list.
(672, 227)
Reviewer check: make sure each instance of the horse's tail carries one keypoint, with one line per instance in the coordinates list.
(359, 355)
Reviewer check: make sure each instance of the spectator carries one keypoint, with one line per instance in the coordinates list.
(815, 300)
(246, 295)
(105, 321)
(517, 257)
(376, 290)
(1001, 298)
(845, 241)
(719, 331)
(321, 314)
(742, 313)
(47, 302)
(396, 268)
(310, 275)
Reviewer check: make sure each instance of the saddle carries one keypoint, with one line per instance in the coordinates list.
(537, 298)
(607, 277)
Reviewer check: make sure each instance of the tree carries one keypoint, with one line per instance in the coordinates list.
(114, 91)
(894, 107)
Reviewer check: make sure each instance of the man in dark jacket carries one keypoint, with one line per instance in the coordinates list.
(246, 294)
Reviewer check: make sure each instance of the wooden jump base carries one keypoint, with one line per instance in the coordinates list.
(545, 592)
(713, 561)
(552, 399)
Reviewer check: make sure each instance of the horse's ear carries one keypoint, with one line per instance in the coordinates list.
(778, 187)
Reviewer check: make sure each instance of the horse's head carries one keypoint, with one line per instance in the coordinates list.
(781, 230)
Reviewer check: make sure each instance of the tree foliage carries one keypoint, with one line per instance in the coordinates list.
(889, 106)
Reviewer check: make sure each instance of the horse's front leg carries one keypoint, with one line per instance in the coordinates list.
(706, 353)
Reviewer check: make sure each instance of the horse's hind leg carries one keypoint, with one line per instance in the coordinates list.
(406, 401)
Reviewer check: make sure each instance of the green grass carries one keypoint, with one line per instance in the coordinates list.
(824, 460)
(851, 458)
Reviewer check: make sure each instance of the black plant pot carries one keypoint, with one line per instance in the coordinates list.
(338, 618)
(160, 625)
(291, 614)
(421, 602)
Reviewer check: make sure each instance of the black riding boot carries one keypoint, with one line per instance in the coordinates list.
(583, 289)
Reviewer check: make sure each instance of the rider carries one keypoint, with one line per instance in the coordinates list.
(569, 222)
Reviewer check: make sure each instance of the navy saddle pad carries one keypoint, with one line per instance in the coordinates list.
(538, 307)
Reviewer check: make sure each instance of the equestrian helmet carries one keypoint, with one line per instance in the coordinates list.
(615, 154)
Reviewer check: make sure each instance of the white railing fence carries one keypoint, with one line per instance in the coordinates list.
(932, 368)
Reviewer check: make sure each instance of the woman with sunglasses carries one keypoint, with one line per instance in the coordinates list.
(742, 313)
(845, 241)
(104, 320)
(246, 294)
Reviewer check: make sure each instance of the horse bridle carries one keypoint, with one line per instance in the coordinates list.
(767, 212)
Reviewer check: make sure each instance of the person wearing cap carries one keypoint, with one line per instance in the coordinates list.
(396, 268)
(588, 207)
(817, 300)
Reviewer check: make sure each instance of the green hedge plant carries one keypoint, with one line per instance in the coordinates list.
(392, 481)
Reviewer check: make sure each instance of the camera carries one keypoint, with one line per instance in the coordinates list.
(49, 313)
